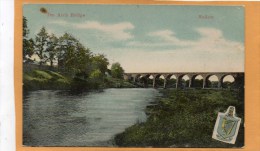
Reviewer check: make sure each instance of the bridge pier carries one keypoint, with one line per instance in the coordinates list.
(177, 82)
(134, 80)
(165, 83)
(219, 84)
(154, 82)
(204, 83)
(190, 83)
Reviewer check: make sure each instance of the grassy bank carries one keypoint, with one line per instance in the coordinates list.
(45, 80)
(50, 80)
(184, 118)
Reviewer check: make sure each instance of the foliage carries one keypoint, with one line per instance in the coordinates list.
(41, 41)
(42, 80)
(25, 27)
(99, 62)
(184, 118)
(52, 49)
(111, 82)
(96, 75)
(67, 48)
(28, 49)
(67, 55)
(197, 83)
(117, 71)
(28, 44)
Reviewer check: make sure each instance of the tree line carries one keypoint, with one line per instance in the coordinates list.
(66, 53)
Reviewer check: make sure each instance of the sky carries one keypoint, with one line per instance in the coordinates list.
(151, 38)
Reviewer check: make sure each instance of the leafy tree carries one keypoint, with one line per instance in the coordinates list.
(72, 55)
(96, 75)
(28, 49)
(67, 51)
(28, 44)
(82, 58)
(52, 49)
(41, 41)
(25, 27)
(99, 62)
(117, 71)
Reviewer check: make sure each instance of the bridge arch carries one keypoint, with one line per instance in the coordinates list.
(158, 80)
(197, 81)
(184, 81)
(136, 77)
(171, 81)
(142, 81)
(150, 78)
(212, 81)
(227, 81)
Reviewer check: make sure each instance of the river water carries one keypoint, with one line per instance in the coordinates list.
(57, 118)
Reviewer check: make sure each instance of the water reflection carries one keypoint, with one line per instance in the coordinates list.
(57, 118)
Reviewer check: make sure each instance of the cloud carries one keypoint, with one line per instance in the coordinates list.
(211, 51)
(211, 39)
(163, 38)
(166, 35)
(116, 31)
(164, 51)
(60, 22)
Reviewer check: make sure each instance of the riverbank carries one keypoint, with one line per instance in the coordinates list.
(50, 80)
(184, 118)
(45, 80)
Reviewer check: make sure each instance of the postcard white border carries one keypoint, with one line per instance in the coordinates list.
(7, 107)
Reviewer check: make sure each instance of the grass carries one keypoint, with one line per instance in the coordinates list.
(184, 118)
(42, 80)
(50, 80)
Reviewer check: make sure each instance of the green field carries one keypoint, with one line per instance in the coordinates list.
(184, 118)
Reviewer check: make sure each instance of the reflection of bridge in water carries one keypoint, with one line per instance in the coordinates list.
(144, 77)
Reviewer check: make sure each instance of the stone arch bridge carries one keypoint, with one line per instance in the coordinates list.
(135, 77)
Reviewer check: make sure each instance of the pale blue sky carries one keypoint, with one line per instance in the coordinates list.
(152, 38)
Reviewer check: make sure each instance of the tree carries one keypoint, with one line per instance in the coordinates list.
(28, 49)
(72, 55)
(99, 62)
(83, 58)
(41, 41)
(28, 44)
(66, 51)
(117, 71)
(52, 48)
(25, 27)
(96, 75)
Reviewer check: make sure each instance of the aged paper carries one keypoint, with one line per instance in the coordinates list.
(140, 75)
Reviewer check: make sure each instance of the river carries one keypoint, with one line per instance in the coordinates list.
(58, 118)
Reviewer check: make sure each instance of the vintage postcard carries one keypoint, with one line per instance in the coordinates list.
(120, 76)
(130, 76)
